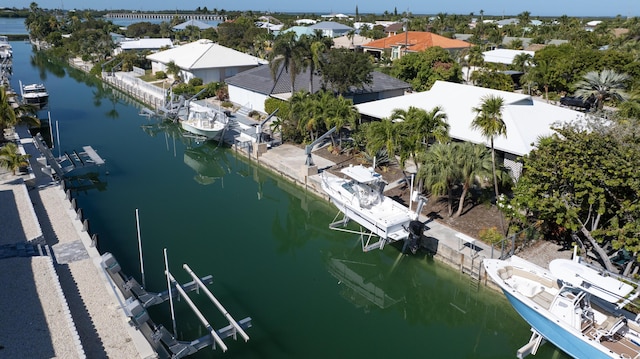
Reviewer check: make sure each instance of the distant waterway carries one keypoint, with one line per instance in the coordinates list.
(310, 291)
(13, 26)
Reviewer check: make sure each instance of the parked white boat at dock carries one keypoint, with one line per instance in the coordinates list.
(34, 94)
(204, 121)
(578, 308)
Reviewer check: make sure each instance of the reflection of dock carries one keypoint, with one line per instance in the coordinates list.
(360, 286)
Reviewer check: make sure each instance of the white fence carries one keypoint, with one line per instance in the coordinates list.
(148, 93)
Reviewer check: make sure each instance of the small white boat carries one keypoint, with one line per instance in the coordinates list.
(359, 196)
(35, 94)
(578, 308)
(204, 121)
(6, 50)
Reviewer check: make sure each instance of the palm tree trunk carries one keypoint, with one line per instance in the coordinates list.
(450, 201)
(465, 189)
(493, 167)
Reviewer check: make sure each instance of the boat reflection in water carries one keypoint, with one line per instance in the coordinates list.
(209, 162)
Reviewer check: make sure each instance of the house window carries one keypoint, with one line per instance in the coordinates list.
(395, 52)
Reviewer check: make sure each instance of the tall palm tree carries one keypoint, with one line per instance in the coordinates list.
(540, 74)
(11, 159)
(604, 85)
(489, 121)
(286, 55)
(474, 164)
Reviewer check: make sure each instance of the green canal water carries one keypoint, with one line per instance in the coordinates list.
(310, 291)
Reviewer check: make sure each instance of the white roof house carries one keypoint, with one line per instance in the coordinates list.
(204, 59)
(526, 119)
(142, 44)
(504, 56)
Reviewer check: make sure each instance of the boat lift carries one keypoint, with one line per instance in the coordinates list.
(532, 346)
(369, 240)
(137, 300)
(309, 147)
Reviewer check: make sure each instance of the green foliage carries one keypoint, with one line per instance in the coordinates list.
(585, 182)
(271, 104)
(161, 75)
(343, 69)
(490, 235)
(11, 159)
(142, 30)
(227, 104)
(422, 69)
(196, 81)
(492, 79)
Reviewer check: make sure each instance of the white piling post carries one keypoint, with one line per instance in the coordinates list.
(144, 284)
(58, 136)
(166, 272)
(53, 145)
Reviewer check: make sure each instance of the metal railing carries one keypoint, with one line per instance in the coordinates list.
(515, 243)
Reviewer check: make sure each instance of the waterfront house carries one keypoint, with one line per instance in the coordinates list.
(252, 87)
(526, 118)
(411, 41)
(204, 59)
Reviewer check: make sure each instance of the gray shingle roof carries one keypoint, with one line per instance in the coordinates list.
(259, 80)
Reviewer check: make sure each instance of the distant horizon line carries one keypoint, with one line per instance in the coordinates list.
(347, 13)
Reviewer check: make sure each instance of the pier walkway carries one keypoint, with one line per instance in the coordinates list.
(56, 301)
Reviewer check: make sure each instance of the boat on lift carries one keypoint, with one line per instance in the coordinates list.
(204, 121)
(359, 197)
(577, 307)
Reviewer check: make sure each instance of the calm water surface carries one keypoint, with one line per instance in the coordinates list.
(311, 292)
(12, 26)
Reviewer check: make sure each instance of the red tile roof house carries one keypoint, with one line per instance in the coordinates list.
(394, 47)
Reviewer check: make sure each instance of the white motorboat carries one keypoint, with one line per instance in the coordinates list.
(35, 94)
(577, 307)
(359, 197)
(6, 50)
(204, 121)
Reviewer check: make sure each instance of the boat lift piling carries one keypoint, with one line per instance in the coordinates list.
(198, 313)
(215, 301)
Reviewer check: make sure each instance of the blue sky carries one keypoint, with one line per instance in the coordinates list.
(490, 7)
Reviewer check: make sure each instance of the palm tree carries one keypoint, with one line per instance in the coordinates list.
(420, 128)
(173, 68)
(604, 85)
(383, 134)
(474, 163)
(439, 171)
(475, 59)
(540, 74)
(489, 121)
(8, 116)
(286, 53)
(11, 159)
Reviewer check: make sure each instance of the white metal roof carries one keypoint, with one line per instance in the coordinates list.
(526, 119)
(205, 54)
(503, 56)
(145, 44)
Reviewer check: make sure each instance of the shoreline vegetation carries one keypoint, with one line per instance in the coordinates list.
(586, 55)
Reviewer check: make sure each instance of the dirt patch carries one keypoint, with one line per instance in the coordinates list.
(475, 217)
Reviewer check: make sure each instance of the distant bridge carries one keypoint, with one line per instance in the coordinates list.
(164, 16)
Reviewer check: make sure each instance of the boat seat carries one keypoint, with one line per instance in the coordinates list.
(610, 326)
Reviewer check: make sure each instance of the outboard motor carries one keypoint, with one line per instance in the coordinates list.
(416, 229)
